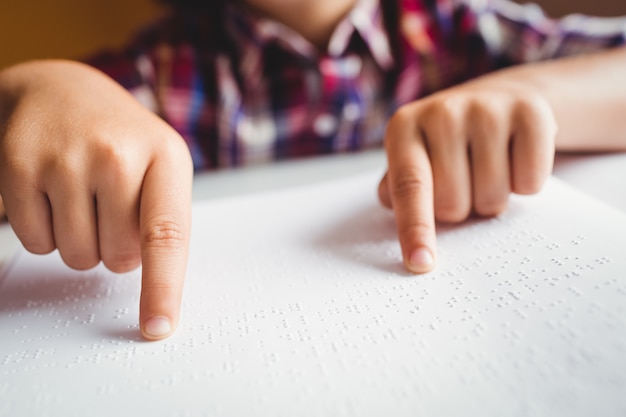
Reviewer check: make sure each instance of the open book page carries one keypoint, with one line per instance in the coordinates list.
(296, 304)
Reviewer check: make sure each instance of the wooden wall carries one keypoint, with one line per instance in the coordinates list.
(67, 28)
(73, 28)
(590, 7)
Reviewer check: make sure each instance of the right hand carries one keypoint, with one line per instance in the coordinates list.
(85, 169)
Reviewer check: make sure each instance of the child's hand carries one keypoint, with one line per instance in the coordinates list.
(85, 169)
(460, 151)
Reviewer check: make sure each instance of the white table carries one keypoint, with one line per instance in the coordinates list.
(313, 318)
(600, 175)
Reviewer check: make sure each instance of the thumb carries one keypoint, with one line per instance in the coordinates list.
(383, 192)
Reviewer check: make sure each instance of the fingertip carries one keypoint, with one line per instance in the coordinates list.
(159, 311)
(420, 261)
(157, 328)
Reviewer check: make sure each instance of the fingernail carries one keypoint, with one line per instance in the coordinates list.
(421, 260)
(157, 327)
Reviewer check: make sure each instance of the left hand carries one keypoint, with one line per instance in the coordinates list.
(463, 150)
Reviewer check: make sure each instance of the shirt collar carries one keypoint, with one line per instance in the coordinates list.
(250, 31)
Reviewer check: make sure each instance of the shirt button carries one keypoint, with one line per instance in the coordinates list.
(257, 132)
(325, 125)
(352, 66)
(351, 112)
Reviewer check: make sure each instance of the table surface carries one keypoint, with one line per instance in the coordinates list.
(600, 175)
(317, 315)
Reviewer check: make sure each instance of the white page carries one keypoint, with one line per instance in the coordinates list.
(296, 304)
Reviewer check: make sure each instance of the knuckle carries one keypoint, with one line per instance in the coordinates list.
(415, 231)
(485, 111)
(485, 105)
(535, 110)
(164, 233)
(116, 159)
(444, 116)
(173, 151)
(160, 285)
(407, 185)
(447, 108)
(402, 116)
(400, 120)
(62, 168)
(122, 165)
(175, 147)
(529, 104)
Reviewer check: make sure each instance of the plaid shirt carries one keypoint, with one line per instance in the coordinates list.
(242, 89)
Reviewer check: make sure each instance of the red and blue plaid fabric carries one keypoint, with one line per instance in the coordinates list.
(242, 89)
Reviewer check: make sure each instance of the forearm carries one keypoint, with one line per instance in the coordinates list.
(42, 75)
(587, 95)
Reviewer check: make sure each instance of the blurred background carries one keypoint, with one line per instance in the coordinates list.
(74, 28)
(68, 28)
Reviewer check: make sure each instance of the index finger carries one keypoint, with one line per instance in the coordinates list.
(165, 222)
(410, 182)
